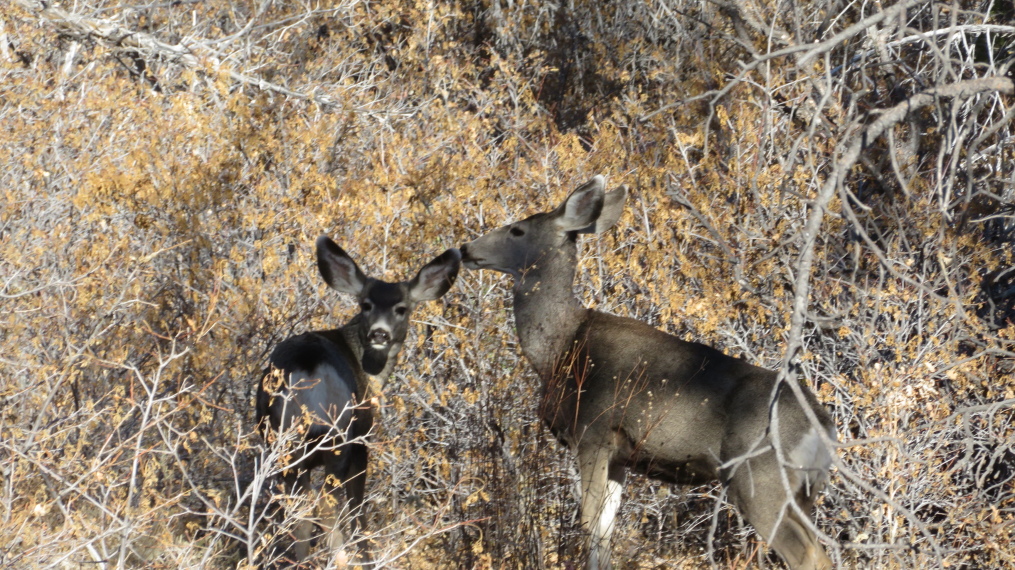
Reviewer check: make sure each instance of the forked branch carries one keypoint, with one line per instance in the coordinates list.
(849, 152)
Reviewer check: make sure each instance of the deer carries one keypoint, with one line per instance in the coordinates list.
(623, 395)
(320, 380)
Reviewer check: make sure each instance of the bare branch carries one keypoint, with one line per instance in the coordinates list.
(112, 33)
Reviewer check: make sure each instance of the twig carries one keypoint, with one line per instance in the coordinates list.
(848, 154)
(110, 32)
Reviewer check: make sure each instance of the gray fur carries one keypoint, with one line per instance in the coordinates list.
(625, 395)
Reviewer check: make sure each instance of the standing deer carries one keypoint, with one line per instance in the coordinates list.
(320, 378)
(623, 394)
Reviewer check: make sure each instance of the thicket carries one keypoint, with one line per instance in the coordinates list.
(823, 187)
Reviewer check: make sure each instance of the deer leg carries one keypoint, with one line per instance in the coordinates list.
(336, 483)
(602, 484)
(355, 488)
(303, 533)
(291, 542)
(761, 494)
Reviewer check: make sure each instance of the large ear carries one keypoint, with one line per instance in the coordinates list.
(613, 207)
(581, 209)
(436, 277)
(338, 269)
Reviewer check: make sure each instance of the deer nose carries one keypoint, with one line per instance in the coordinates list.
(464, 251)
(379, 336)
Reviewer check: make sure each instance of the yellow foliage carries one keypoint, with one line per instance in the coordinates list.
(156, 242)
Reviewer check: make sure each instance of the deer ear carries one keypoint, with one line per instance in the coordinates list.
(338, 269)
(436, 277)
(613, 207)
(581, 209)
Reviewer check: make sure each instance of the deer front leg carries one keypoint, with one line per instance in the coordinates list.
(602, 484)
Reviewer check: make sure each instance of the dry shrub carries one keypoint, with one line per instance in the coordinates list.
(158, 216)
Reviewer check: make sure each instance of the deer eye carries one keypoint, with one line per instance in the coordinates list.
(517, 232)
(366, 306)
(401, 311)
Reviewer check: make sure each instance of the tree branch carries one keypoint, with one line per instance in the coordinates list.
(850, 151)
(112, 33)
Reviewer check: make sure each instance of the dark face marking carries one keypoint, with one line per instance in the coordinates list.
(385, 295)
(384, 322)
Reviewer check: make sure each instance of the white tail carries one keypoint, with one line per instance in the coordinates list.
(624, 395)
(320, 378)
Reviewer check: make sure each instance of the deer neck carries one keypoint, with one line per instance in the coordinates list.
(547, 313)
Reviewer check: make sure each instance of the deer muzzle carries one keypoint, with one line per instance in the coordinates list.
(379, 338)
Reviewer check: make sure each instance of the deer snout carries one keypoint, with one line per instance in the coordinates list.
(379, 337)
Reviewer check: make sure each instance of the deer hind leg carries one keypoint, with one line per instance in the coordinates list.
(291, 543)
(602, 485)
(797, 544)
(351, 510)
(760, 492)
(339, 503)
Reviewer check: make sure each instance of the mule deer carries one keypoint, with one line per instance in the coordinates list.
(623, 394)
(321, 378)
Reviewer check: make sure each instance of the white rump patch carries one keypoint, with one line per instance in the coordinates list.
(812, 456)
(324, 393)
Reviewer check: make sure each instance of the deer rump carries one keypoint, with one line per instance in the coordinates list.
(321, 386)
